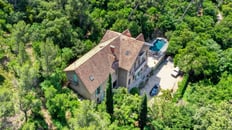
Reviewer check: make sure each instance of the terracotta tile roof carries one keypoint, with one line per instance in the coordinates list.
(129, 50)
(109, 34)
(88, 55)
(94, 67)
(140, 37)
(127, 33)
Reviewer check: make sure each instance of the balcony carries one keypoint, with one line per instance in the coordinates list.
(140, 78)
(139, 67)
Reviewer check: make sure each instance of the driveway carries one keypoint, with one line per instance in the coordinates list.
(162, 76)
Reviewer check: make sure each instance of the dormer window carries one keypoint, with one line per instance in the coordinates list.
(127, 53)
(91, 78)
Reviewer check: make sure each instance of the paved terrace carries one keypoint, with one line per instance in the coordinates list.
(161, 76)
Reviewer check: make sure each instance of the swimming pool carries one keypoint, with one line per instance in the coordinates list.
(157, 45)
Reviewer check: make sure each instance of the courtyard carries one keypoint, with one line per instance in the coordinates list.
(161, 75)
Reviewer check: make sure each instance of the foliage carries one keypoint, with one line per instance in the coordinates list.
(197, 60)
(126, 108)
(213, 116)
(49, 57)
(165, 114)
(134, 91)
(223, 33)
(179, 39)
(59, 102)
(143, 113)
(203, 93)
(86, 117)
(39, 38)
(7, 105)
(109, 97)
(181, 88)
(29, 101)
(35, 122)
(225, 62)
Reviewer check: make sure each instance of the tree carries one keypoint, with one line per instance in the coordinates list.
(225, 62)
(20, 35)
(28, 79)
(5, 10)
(197, 60)
(143, 113)
(59, 102)
(6, 106)
(109, 98)
(22, 54)
(223, 32)
(165, 114)
(86, 117)
(126, 108)
(179, 39)
(29, 101)
(204, 93)
(49, 54)
(28, 76)
(214, 116)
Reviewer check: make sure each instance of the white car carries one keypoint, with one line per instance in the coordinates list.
(175, 72)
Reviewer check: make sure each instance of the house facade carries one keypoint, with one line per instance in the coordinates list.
(118, 54)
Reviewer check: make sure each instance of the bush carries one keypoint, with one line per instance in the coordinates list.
(134, 91)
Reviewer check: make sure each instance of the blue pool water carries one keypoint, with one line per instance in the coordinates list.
(157, 45)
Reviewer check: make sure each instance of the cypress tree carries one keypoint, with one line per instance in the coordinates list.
(109, 98)
(143, 113)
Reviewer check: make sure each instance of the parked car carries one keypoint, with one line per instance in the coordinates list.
(155, 90)
(175, 72)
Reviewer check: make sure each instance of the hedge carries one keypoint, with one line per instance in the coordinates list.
(181, 88)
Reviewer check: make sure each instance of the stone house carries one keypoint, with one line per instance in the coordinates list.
(118, 54)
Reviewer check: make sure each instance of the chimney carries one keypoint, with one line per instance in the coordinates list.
(112, 48)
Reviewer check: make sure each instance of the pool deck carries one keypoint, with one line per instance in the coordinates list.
(162, 69)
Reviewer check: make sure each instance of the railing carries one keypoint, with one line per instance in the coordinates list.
(140, 66)
(140, 79)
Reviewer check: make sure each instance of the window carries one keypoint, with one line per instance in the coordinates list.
(115, 84)
(74, 80)
(98, 90)
(129, 82)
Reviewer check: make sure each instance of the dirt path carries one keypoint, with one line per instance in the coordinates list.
(29, 51)
(47, 116)
(44, 111)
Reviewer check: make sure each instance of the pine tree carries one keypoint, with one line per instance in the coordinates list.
(109, 98)
(143, 113)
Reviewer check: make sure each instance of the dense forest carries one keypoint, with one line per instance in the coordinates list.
(39, 38)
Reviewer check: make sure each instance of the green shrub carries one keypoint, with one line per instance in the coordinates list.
(181, 88)
(134, 91)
